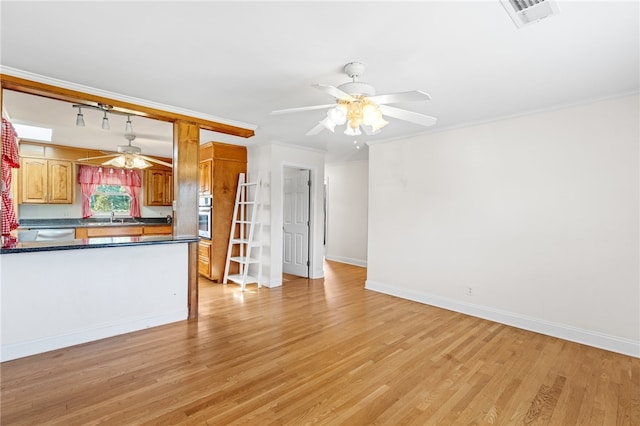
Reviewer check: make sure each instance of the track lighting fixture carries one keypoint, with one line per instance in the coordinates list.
(106, 109)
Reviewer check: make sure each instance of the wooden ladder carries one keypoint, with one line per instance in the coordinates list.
(243, 234)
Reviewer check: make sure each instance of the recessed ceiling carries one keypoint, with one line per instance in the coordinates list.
(241, 60)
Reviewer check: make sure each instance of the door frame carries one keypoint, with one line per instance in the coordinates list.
(313, 202)
(309, 180)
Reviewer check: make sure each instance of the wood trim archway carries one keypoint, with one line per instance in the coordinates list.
(186, 142)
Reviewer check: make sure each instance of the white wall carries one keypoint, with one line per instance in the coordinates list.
(259, 166)
(55, 299)
(537, 215)
(268, 162)
(347, 206)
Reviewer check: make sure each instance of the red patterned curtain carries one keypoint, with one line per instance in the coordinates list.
(10, 160)
(89, 177)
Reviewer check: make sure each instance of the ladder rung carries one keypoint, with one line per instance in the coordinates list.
(246, 202)
(239, 278)
(248, 183)
(245, 241)
(244, 260)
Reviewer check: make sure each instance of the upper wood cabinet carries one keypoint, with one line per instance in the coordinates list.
(204, 169)
(46, 181)
(158, 187)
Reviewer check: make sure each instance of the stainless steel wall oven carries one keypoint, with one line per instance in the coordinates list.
(205, 213)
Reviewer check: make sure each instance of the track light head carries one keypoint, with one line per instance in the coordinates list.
(105, 122)
(80, 119)
(128, 128)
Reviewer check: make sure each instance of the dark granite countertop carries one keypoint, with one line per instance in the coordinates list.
(90, 222)
(86, 243)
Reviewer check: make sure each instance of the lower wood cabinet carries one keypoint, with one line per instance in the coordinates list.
(157, 230)
(109, 231)
(204, 257)
(122, 231)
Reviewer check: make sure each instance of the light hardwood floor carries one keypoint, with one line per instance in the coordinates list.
(323, 352)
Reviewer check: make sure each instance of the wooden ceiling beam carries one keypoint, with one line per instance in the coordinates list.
(68, 95)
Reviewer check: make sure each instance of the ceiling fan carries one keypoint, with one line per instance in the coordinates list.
(358, 105)
(128, 157)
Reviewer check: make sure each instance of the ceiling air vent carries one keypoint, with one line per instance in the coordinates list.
(524, 12)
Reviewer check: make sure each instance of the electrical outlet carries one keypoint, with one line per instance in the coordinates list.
(470, 291)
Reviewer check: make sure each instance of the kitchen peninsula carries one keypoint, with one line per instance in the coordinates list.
(62, 293)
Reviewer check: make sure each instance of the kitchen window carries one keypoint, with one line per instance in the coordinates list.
(105, 189)
(110, 198)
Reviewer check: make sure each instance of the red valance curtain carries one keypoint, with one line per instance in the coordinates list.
(89, 177)
(10, 160)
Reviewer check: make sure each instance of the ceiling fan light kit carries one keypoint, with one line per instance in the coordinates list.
(128, 156)
(128, 161)
(358, 106)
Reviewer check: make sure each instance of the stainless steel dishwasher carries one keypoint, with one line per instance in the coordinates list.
(65, 234)
(61, 234)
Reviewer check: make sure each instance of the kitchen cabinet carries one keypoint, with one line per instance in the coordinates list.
(227, 162)
(158, 187)
(157, 230)
(44, 181)
(122, 231)
(204, 258)
(109, 231)
(204, 169)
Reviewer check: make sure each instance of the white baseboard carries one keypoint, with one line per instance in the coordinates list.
(348, 260)
(562, 331)
(33, 347)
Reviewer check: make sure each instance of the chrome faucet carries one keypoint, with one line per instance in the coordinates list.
(113, 215)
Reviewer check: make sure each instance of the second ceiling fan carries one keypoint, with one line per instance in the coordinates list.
(128, 157)
(359, 107)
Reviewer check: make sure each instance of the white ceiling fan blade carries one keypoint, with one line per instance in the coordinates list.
(317, 129)
(155, 160)
(391, 98)
(300, 109)
(335, 92)
(410, 116)
(98, 157)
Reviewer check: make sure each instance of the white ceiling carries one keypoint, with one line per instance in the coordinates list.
(240, 60)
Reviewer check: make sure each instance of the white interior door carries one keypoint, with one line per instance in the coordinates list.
(296, 221)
